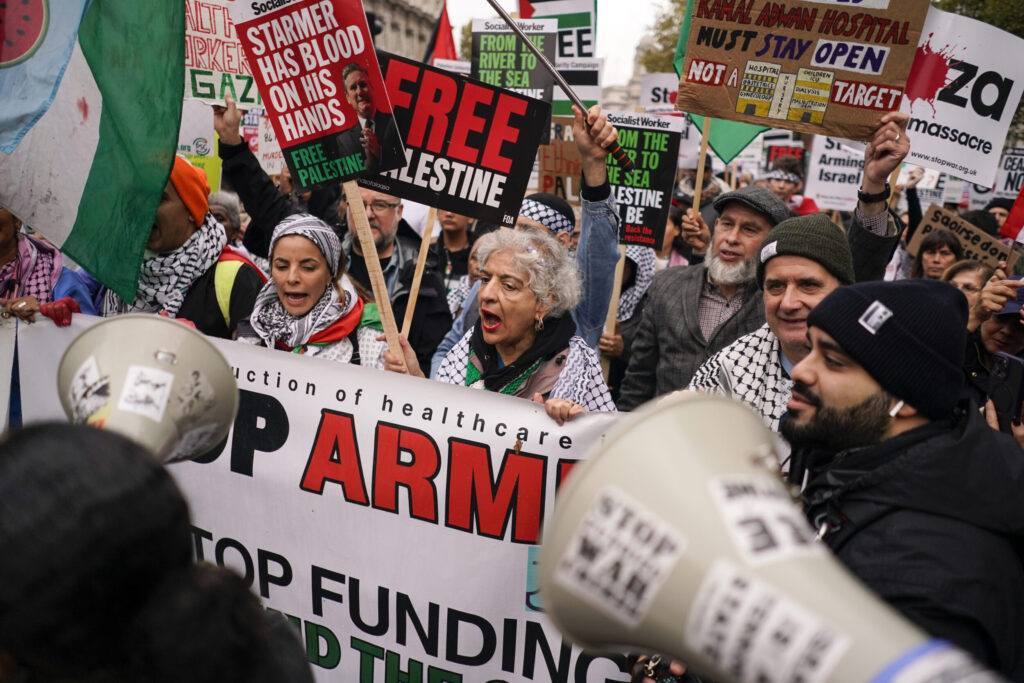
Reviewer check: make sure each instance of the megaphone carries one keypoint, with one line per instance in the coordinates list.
(151, 379)
(676, 535)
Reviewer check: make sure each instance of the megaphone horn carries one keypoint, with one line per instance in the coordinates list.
(673, 537)
(151, 379)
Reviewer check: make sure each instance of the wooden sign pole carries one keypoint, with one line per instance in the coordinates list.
(418, 275)
(369, 249)
(698, 185)
(613, 306)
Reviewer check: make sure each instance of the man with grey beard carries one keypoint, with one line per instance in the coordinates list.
(692, 312)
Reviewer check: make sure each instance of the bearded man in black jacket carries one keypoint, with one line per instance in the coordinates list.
(907, 484)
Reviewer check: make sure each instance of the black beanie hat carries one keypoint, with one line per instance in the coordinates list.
(814, 237)
(909, 336)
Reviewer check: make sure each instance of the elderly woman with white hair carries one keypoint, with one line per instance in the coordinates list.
(525, 343)
(310, 305)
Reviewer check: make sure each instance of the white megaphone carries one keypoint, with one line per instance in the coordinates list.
(675, 536)
(151, 379)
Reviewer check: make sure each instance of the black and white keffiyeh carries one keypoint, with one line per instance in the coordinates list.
(272, 323)
(643, 273)
(779, 174)
(164, 279)
(553, 219)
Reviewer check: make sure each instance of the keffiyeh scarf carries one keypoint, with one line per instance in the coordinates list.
(165, 278)
(643, 273)
(277, 328)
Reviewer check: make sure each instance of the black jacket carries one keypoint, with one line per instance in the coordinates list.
(932, 521)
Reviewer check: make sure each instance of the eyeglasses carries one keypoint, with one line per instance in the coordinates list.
(379, 205)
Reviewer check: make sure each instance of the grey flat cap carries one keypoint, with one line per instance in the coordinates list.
(758, 199)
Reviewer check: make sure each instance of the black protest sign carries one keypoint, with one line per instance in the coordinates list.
(644, 194)
(469, 146)
(500, 57)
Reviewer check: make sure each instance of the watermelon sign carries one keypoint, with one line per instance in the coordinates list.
(23, 26)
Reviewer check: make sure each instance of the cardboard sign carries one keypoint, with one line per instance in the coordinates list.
(644, 194)
(501, 59)
(962, 95)
(558, 163)
(576, 22)
(815, 67)
(270, 155)
(834, 175)
(316, 68)
(215, 63)
(469, 146)
(977, 244)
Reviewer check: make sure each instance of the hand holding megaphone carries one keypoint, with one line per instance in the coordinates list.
(674, 537)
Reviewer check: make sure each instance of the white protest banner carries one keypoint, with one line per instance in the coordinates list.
(214, 61)
(196, 140)
(270, 155)
(390, 518)
(961, 96)
(658, 92)
(833, 175)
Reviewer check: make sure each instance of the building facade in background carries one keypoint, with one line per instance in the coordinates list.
(407, 25)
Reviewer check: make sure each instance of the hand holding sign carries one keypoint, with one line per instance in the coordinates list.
(695, 231)
(883, 155)
(226, 121)
(593, 137)
(371, 147)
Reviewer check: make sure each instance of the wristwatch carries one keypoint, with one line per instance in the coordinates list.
(873, 198)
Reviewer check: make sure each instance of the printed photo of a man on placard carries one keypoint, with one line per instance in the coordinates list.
(376, 135)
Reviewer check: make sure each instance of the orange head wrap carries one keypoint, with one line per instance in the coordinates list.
(192, 187)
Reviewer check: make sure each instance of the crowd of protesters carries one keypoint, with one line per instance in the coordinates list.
(756, 294)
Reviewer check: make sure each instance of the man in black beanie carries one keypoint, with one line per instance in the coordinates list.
(908, 485)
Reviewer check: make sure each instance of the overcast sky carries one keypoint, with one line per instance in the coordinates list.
(620, 25)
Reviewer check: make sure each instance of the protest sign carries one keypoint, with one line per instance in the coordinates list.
(454, 65)
(576, 22)
(558, 162)
(658, 92)
(809, 66)
(196, 140)
(315, 65)
(1010, 177)
(470, 146)
(501, 59)
(392, 519)
(977, 244)
(215, 63)
(644, 194)
(962, 95)
(270, 155)
(250, 127)
(834, 175)
(584, 77)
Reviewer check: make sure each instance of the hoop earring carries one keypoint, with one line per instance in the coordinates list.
(538, 325)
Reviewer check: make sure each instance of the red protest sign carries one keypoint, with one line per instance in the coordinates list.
(316, 69)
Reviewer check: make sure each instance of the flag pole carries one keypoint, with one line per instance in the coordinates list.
(613, 307)
(698, 184)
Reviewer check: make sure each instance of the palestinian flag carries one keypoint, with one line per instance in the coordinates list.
(92, 93)
(584, 77)
(577, 24)
(726, 138)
